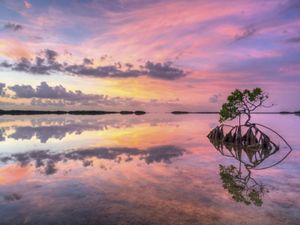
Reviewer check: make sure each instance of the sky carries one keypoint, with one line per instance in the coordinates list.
(154, 55)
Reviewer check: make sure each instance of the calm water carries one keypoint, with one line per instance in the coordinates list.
(152, 169)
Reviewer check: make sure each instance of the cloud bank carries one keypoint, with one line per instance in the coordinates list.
(59, 96)
(47, 64)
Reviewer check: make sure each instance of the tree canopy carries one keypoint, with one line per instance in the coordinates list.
(242, 102)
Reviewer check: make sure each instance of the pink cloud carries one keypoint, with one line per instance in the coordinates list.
(27, 4)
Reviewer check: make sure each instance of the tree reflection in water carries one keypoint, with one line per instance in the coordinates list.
(251, 147)
(242, 188)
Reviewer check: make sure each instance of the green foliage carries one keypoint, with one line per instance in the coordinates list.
(242, 102)
(241, 189)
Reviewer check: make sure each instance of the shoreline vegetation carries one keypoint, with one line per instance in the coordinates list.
(99, 112)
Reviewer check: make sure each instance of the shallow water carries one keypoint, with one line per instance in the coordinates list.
(152, 169)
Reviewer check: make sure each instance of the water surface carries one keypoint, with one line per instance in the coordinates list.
(152, 169)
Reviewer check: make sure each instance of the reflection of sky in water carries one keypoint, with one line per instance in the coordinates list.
(153, 169)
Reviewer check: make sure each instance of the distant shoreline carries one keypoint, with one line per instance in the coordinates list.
(99, 112)
(186, 112)
(76, 112)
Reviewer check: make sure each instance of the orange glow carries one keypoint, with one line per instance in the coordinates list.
(13, 174)
(12, 48)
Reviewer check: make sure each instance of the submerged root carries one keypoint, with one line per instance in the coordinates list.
(252, 143)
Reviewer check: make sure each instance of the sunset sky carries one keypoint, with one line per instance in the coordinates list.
(154, 55)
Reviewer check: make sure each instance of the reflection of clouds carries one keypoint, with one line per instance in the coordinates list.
(47, 132)
(162, 154)
(46, 161)
(12, 197)
(150, 155)
(2, 134)
(58, 128)
(50, 167)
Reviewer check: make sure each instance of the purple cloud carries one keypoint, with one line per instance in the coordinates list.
(47, 64)
(214, 98)
(13, 27)
(247, 31)
(45, 91)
